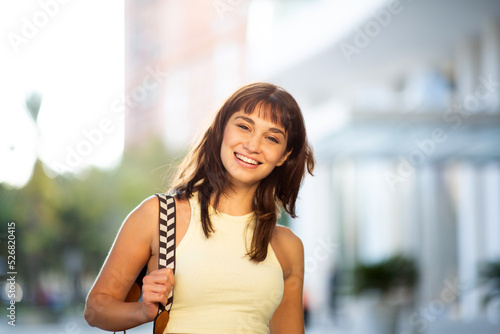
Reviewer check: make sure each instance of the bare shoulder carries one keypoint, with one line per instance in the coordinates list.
(288, 248)
(286, 238)
(149, 206)
(141, 223)
(286, 232)
(145, 213)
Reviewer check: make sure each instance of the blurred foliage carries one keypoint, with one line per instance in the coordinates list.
(59, 217)
(490, 270)
(490, 275)
(394, 272)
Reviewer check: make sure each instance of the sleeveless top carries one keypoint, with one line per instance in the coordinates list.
(217, 288)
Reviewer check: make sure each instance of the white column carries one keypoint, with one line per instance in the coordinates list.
(491, 208)
(315, 227)
(378, 232)
(405, 200)
(438, 242)
(490, 71)
(345, 178)
(428, 200)
(469, 226)
(467, 67)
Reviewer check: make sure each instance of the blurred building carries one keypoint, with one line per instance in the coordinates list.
(183, 58)
(408, 114)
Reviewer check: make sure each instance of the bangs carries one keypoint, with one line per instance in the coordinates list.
(271, 109)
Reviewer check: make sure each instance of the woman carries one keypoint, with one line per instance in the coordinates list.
(236, 270)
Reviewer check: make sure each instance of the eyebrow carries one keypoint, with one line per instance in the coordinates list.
(249, 120)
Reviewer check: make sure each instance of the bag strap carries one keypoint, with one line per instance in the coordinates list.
(166, 258)
(166, 254)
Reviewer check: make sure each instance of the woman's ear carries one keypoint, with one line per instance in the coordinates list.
(283, 158)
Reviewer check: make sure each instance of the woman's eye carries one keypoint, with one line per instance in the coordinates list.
(243, 126)
(275, 140)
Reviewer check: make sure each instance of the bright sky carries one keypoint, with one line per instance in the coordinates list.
(72, 53)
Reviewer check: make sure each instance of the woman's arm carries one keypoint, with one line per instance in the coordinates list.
(289, 316)
(105, 307)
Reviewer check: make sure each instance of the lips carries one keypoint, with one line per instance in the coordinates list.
(247, 159)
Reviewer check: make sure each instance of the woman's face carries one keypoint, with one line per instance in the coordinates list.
(251, 148)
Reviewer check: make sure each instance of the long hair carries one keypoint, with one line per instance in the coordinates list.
(202, 170)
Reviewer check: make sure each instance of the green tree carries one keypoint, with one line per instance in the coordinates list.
(65, 225)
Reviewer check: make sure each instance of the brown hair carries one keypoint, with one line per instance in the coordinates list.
(202, 170)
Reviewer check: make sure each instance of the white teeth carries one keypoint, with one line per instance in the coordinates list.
(247, 160)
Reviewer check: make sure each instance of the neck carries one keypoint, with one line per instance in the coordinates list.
(236, 202)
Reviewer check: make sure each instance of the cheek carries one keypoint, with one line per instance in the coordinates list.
(274, 156)
(228, 142)
(228, 137)
(225, 143)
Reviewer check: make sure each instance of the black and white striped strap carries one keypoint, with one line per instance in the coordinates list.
(166, 255)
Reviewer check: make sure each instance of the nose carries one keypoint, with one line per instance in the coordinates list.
(252, 144)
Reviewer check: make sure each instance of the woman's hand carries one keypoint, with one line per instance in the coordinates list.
(155, 289)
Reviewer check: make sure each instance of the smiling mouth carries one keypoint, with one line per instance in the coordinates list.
(247, 160)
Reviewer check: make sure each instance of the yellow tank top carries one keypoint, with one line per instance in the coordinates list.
(217, 288)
